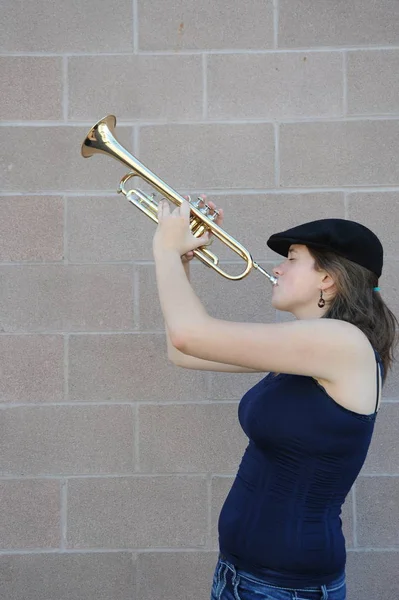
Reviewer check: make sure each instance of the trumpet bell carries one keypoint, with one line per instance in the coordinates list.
(96, 140)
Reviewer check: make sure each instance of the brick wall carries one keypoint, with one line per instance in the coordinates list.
(115, 463)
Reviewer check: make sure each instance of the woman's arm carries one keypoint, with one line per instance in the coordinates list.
(323, 348)
(192, 362)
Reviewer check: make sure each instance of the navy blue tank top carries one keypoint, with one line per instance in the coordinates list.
(281, 519)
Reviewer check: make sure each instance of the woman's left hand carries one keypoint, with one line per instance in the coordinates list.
(173, 230)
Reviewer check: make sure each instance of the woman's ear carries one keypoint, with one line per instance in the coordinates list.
(328, 284)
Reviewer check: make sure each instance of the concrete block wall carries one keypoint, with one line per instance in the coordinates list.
(114, 463)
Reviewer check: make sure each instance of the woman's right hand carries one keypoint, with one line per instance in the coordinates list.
(190, 255)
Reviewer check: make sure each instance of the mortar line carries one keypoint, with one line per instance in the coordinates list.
(144, 402)
(346, 205)
(350, 189)
(136, 140)
(281, 50)
(290, 120)
(276, 10)
(208, 386)
(277, 155)
(136, 434)
(149, 475)
(160, 550)
(135, 31)
(66, 367)
(54, 332)
(65, 260)
(65, 88)
(136, 297)
(354, 515)
(204, 87)
(127, 263)
(208, 544)
(118, 402)
(345, 83)
(63, 514)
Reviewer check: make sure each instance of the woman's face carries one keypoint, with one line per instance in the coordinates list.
(299, 284)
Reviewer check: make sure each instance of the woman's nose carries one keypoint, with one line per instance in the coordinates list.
(277, 270)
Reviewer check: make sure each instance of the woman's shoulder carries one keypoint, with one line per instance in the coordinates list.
(358, 388)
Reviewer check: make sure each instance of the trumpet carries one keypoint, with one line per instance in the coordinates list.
(101, 140)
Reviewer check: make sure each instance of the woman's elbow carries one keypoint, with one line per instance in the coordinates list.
(179, 341)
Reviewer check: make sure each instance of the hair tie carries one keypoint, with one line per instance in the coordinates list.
(376, 289)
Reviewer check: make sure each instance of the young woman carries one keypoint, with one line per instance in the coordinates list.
(310, 420)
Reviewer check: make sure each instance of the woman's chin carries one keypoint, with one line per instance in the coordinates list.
(278, 304)
(275, 303)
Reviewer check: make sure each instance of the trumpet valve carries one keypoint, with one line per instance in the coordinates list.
(205, 210)
(196, 203)
(212, 216)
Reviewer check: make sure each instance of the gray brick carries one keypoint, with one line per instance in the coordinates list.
(348, 524)
(50, 160)
(64, 298)
(220, 489)
(175, 575)
(389, 283)
(383, 457)
(275, 85)
(373, 82)
(184, 24)
(164, 87)
(375, 527)
(30, 514)
(391, 388)
(206, 438)
(58, 26)
(207, 156)
(232, 386)
(153, 512)
(95, 576)
(375, 210)
(339, 23)
(129, 367)
(32, 368)
(40, 96)
(372, 574)
(334, 153)
(31, 228)
(67, 440)
(107, 229)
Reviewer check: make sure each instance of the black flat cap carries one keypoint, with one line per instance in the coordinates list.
(346, 238)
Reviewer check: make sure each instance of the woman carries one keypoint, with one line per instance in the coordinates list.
(310, 420)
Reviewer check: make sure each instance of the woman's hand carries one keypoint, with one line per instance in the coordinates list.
(173, 231)
(219, 220)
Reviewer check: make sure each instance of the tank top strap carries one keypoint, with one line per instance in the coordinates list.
(378, 363)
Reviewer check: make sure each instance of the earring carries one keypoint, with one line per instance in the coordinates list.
(321, 302)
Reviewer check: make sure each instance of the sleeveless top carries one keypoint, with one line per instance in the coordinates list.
(281, 519)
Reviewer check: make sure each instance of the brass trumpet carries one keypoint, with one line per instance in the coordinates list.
(101, 140)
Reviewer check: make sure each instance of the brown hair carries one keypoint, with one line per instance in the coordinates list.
(356, 302)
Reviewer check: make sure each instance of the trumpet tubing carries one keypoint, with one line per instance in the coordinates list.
(101, 140)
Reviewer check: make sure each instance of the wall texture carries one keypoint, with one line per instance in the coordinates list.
(115, 463)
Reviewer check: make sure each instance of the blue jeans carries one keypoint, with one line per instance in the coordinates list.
(231, 583)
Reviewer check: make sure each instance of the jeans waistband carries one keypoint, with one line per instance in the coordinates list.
(329, 587)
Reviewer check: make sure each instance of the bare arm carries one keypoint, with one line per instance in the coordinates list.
(191, 362)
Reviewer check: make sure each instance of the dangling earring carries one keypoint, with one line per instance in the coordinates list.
(321, 302)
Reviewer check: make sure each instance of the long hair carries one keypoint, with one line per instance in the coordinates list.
(357, 303)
